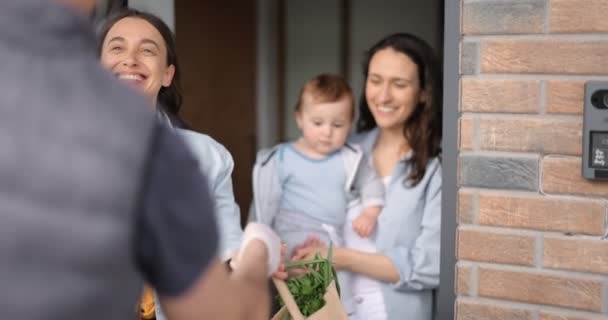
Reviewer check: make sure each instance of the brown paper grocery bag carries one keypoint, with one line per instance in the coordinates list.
(332, 310)
(282, 314)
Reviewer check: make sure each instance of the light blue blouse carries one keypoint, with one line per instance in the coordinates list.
(216, 164)
(409, 234)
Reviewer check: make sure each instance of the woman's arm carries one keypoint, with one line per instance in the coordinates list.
(418, 266)
(227, 210)
(216, 163)
(373, 265)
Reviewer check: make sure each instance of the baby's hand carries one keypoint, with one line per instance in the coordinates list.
(366, 221)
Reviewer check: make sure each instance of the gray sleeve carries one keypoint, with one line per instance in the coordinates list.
(418, 265)
(175, 232)
(368, 184)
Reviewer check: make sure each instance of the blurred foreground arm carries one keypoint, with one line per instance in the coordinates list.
(176, 244)
(243, 294)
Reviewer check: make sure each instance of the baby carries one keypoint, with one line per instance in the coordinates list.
(305, 187)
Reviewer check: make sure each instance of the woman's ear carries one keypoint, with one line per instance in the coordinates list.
(168, 75)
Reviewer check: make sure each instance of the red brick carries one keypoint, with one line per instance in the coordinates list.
(563, 175)
(545, 56)
(463, 279)
(571, 253)
(465, 206)
(466, 133)
(511, 96)
(541, 213)
(469, 310)
(540, 288)
(496, 247)
(578, 16)
(545, 315)
(565, 97)
(546, 135)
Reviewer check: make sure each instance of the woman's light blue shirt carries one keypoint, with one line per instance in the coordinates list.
(216, 163)
(409, 234)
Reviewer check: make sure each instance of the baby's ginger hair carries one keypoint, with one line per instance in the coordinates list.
(325, 88)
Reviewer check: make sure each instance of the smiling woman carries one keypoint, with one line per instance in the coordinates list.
(400, 130)
(135, 52)
(138, 48)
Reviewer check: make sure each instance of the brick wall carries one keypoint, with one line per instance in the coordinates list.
(529, 228)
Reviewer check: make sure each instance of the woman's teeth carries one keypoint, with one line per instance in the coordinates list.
(386, 109)
(135, 77)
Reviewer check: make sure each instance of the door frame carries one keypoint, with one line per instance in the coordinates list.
(446, 296)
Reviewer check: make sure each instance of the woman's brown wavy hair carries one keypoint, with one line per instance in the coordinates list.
(422, 129)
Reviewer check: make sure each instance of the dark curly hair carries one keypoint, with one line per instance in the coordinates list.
(422, 129)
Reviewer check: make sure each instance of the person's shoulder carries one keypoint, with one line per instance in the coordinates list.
(352, 149)
(365, 139)
(203, 143)
(266, 154)
(433, 171)
(358, 138)
(352, 146)
(434, 163)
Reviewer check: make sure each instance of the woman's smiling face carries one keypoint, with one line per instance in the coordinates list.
(393, 88)
(135, 52)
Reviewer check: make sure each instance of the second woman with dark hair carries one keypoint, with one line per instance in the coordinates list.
(400, 129)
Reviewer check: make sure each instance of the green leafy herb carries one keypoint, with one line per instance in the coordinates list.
(309, 289)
